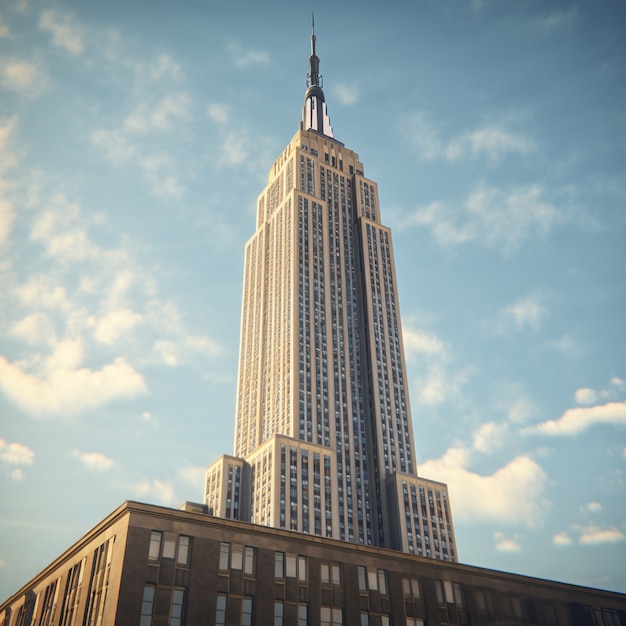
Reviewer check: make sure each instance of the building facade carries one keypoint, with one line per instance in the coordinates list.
(323, 435)
(145, 565)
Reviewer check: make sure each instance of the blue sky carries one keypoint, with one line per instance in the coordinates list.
(134, 140)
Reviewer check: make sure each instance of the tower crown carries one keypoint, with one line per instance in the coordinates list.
(314, 115)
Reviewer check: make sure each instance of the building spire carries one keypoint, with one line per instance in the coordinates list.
(314, 116)
(313, 77)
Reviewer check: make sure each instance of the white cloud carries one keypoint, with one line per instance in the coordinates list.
(417, 343)
(66, 33)
(576, 420)
(566, 345)
(13, 456)
(562, 539)
(194, 475)
(164, 68)
(500, 219)
(115, 324)
(504, 544)
(219, 113)
(244, 58)
(8, 160)
(162, 492)
(592, 535)
(15, 453)
(439, 385)
(347, 94)
(525, 313)
(4, 30)
(435, 383)
(593, 507)
(514, 402)
(160, 172)
(585, 396)
(22, 76)
(34, 329)
(65, 389)
(115, 146)
(489, 437)
(95, 461)
(617, 382)
(492, 141)
(159, 116)
(514, 494)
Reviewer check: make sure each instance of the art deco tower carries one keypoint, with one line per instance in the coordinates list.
(323, 436)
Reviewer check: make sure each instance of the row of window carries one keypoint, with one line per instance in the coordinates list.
(170, 547)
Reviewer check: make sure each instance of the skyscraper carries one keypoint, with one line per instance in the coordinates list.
(323, 437)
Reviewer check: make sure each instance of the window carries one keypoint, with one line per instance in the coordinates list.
(362, 578)
(147, 603)
(295, 567)
(176, 611)
(224, 556)
(330, 616)
(278, 613)
(246, 612)
(236, 557)
(414, 621)
(411, 587)
(184, 549)
(279, 565)
(453, 593)
(220, 610)
(382, 582)
(155, 545)
(303, 615)
(331, 574)
(169, 548)
(372, 580)
(384, 620)
(248, 561)
(365, 619)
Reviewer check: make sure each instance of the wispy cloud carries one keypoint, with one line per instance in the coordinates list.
(526, 313)
(66, 32)
(490, 436)
(8, 161)
(14, 456)
(4, 30)
(219, 112)
(157, 490)
(514, 494)
(95, 461)
(22, 76)
(493, 141)
(504, 544)
(347, 94)
(587, 396)
(577, 420)
(500, 219)
(560, 18)
(62, 387)
(592, 535)
(243, 57)
(77, 334)
(562, 539)
(436, 380)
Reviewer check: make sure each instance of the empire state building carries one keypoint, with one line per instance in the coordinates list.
(323, 436)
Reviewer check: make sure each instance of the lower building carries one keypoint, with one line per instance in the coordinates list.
(153, 566)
